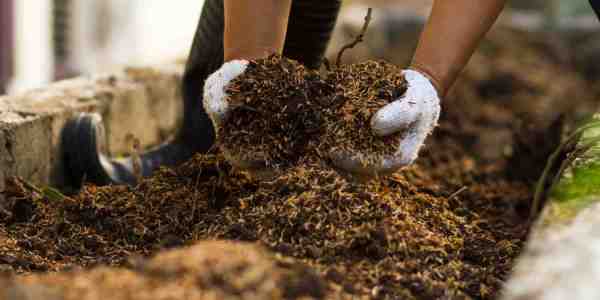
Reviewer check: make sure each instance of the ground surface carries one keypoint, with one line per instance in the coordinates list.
(321, 235)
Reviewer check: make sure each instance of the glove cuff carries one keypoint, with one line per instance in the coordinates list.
(215, 95)
(423, 71)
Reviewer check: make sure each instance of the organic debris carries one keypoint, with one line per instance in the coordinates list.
(400, 236)
(448, 227)
(359, 38)
(365, 88)
(282, 112)
(276, 111)
(210, 270)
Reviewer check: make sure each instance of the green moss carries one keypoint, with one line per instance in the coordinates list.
(563, 212)
(583, 181)
(578, 189)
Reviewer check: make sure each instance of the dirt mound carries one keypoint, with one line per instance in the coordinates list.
(448, 227)
(209, 270)
(400, 236)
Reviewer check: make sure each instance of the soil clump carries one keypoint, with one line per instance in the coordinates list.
(210, 270)
(283, 113)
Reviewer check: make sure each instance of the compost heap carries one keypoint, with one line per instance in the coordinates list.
(449, 226)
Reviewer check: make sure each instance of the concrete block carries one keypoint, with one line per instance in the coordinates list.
(562, 257)
(146, 98)
(143, 102)
(25, 147)
(560, 262)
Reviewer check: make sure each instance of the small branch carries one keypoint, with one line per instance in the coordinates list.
(327, 64)
(30, 186)
(552, 160)
(460, 191)
(48, 192)
(136, 158)
(358, 39)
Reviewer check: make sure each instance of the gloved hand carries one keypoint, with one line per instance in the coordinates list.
(215, 90)
(416, 114)
(216, 106)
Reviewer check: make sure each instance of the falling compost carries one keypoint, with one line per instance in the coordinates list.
(282, 112)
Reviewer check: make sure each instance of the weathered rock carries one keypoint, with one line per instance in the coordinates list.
(561, 262)
(144, 102)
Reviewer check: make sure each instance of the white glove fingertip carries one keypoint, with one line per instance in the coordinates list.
(394, 117)
(215, 95)
(409, 147)
(214, 104)
(410, 155)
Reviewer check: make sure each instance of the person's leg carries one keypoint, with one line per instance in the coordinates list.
(310, 26)
(83, 141)
(206, 56)
(596, 6)
(309, 30)
(255, 28)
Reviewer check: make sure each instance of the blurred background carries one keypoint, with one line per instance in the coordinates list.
(46, 40)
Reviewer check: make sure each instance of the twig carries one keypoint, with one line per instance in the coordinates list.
(358, 39)
(327, 64)
(136, 159)
(539, 190)
(460, 191)
(30, 186)
(48, 192)
(568, 162)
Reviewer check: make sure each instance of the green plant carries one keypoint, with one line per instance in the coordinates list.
(582, 145)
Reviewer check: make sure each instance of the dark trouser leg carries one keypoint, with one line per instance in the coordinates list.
(206, 56)
(596, 6)
(309, 31)
(84, 142)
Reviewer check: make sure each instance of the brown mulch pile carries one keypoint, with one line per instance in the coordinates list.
(399, 236)
(282, 112)
(210, 270)
(409, 235)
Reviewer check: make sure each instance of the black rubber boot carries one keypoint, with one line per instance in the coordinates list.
(310, 26)
(596, 6)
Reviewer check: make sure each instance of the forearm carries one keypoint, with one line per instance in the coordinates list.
(451, 35)
(254, 28)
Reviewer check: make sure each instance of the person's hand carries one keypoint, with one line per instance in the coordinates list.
(215, 90)
(216, 106)
(415, 114)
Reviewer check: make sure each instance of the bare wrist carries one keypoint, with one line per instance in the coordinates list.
(437, 83)
(247, 53)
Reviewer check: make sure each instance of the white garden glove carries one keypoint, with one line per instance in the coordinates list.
(215, 90)
(416, 114)
(216, 106)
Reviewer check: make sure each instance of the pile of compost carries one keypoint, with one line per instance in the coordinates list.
(401, 235)
(209, 270)
(449, 226)
(282, 113)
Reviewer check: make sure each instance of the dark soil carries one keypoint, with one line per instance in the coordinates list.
(210, 270)
(282, 113)
(401, 235)
(409, 235)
